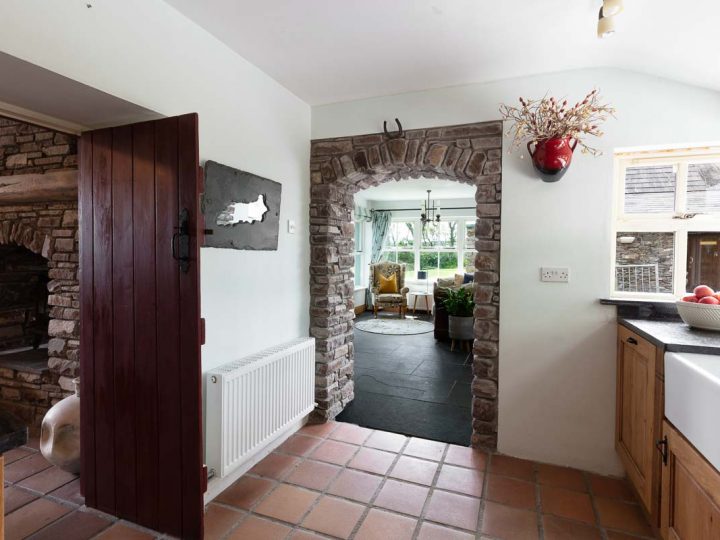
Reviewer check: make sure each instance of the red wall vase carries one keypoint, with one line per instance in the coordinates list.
(551, 157)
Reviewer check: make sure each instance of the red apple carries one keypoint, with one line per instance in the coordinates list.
(709, 300)
(701, 291)
(690, 298)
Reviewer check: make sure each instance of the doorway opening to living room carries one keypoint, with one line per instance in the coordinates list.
(414, 272)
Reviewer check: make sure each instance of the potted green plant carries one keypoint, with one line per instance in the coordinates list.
(459, 304)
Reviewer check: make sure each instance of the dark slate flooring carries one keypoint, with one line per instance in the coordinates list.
(411, 385)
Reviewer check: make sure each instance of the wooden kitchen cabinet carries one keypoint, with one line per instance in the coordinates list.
(639, 414)
(691, 491)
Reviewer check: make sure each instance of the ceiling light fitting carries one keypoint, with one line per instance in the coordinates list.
(606, 17)
(429, 212)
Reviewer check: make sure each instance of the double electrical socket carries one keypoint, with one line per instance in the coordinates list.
(558, 274)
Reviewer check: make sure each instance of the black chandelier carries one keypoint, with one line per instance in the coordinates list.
(429, 212)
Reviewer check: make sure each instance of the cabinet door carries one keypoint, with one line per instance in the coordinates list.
(636, 430)
(691, 492)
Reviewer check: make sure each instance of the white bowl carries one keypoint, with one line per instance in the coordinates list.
(705, 316)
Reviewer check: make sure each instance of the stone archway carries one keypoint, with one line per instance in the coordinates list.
(340, 167)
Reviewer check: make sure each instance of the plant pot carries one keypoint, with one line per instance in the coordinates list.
(460, 327)
(60, 433)
(552, 157)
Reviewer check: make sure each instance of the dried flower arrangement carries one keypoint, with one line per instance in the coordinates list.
(547, 118)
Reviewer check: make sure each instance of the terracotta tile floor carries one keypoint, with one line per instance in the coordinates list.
(343, 481)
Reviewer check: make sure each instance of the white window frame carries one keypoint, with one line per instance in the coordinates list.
(666, 222)
(417, 242)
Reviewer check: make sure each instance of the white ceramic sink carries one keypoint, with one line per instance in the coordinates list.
(692, 400)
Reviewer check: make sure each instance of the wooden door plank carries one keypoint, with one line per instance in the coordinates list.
(190, 372)
(170, 468)
(103, 311)
(123, 331)
(87, 368)
(145, 376)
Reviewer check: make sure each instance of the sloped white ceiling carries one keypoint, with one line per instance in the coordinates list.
(327, 51)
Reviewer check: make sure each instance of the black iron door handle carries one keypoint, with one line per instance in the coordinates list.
(181, 241)
(632, 341)
(661, 445)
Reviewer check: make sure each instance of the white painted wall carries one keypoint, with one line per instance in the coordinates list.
(557, 348)
(147, 53)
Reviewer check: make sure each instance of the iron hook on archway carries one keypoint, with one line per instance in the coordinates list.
(399, 133)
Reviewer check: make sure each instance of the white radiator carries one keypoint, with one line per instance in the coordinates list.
(250, 401)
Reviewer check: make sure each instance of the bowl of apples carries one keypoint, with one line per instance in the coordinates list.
(701, 309)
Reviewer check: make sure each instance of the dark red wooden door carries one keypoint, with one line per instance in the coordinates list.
(140, 325)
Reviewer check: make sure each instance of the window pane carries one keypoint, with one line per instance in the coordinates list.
(650, 189)
(469, 235)
(703, 187)
(703, 260)
(440, 235)
(400, 235)
(429, 260)
(358, 236)
(448, 264)
(469, 261)
(644, 262)
(388, 256)
(407, 257)
(358, 270)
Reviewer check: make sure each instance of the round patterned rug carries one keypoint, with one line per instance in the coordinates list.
(394, 326)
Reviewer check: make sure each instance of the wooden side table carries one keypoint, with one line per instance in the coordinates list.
(427, 297)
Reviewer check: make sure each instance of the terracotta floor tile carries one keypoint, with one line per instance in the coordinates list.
(25, 467)
(464, 456)
(414, 470)
(334, 517)
(511, 466)
(319, 430)
(430, 531)
(305, 535)
(424, 448)
(371, 460)
(299, 445)
(611, 488)
(219, 520)
(16, 497)
(462, 480)
(622, 516)
(246, 492)
(455, 510)
(32, 517)
(15, 454)
(78, 526)
(275, 466)
(511, 492)
(509, 523)
(335, 452)
(563, 529)
(392, 442)
(379, 525)
(287, 503)
(563, 477)
(48, 480)
(350, 433)
(402, 497)
(255, 528)
(567, 503)
(355, 485)
(122, 531)
(313, 475)
(70, 492)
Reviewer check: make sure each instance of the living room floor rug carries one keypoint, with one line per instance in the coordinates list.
(395, 327)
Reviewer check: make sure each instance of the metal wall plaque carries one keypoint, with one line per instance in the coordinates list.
(241, 209)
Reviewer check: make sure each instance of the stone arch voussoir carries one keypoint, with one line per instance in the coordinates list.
(340, 167)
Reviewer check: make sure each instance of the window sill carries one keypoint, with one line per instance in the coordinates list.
(633, 301)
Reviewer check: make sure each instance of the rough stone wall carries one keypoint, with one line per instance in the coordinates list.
(339, 168)
(25, 148)
(648, 248)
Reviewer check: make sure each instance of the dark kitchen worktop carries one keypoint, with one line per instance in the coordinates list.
(13, 432)
(675, 335)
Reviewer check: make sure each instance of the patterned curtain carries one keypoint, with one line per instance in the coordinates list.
(380, 227)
